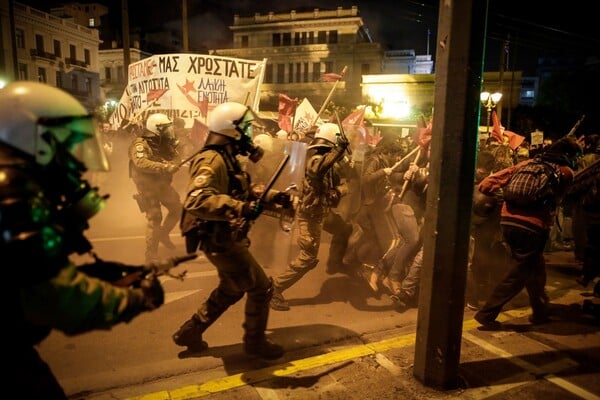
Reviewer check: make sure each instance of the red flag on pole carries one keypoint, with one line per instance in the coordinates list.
(355, 118)
(424, 131)
(498, 133)
(287, 109)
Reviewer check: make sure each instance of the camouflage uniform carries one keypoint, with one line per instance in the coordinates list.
(152, 170)
(320, 194)
(213, 221)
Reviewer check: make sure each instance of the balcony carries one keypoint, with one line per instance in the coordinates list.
(35, 53)
(75, 63)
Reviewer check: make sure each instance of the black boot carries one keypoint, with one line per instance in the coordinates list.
(190, 334)
(257, 315)
(263, 348)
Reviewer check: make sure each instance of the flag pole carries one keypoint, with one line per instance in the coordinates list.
(329, 96)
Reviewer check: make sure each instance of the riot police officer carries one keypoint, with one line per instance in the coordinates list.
(218, 208)
(47, 141)
(152, 162)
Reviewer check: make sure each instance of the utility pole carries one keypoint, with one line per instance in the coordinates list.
(184, 26)
(126, 44)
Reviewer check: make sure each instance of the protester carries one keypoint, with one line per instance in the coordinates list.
(47, 141)
(526, 230)
(320, 193)
(218, 209)
(152, 162)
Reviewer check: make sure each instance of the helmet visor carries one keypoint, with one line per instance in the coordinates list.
(246, 122)
(79, 136)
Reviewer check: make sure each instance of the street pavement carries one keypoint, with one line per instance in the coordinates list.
(342, 341)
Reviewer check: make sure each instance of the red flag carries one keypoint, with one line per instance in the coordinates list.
(514, 139)
(154, 94)
(424, 131)
(287, 108)
(331, 77)
(498, 133)
(355, 118)
(497, 128)
(199, 133)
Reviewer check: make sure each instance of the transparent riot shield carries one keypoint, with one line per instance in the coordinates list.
(273, 237)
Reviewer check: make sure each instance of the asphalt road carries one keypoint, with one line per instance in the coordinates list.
(342, 341)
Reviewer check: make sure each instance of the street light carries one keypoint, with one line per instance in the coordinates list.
(489, 101)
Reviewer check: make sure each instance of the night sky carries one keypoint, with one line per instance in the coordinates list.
(534, 28)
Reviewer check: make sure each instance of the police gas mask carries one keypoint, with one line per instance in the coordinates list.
(246, 146)
(235, 121)
(72, 146)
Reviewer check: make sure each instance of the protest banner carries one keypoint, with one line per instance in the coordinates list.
(187, 86)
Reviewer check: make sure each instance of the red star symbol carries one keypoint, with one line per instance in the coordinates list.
(189, 86)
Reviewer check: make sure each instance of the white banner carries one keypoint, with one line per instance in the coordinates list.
(187, 86)
(305, 117)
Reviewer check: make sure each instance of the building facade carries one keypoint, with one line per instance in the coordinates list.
(45, 48)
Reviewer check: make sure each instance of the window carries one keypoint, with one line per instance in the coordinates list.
(298, 72)
(280, 73)
(74, 83)
(120, 74)
(333, 36)
(20, 38)
(291, 73)
(304, 39)
(59, 79)
(269, 74)
(321, 37)
(311, 37)
(86, 56)
(245, 41)
(39, 43)
(107, 72)
(297, 38)
(316, 72)
(57, 49)
(287, 39)
(88, 85)
(91, 22)
(23, 75)
(305, 73)
(72, 52)
(42, 75)
(276, 39)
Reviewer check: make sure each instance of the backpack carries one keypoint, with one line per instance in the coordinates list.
(533, 185)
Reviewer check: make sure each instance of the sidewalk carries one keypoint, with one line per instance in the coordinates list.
(557, 360)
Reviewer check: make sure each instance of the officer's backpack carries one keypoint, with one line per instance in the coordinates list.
(533, 185)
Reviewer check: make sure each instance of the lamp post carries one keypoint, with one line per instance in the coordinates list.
(489, 101)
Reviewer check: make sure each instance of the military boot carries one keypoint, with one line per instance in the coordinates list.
(263, 347)
(190, 334)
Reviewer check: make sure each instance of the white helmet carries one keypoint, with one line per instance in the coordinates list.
(231, 119)
(156, 123)
(326, 135)
(40, 120)
(264, 141)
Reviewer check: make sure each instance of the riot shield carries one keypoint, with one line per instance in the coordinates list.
(273, 237)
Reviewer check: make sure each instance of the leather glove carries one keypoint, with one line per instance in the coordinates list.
(251, 210)
(172, 168)
(154, 295)
(342, 142)
(283, 199)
